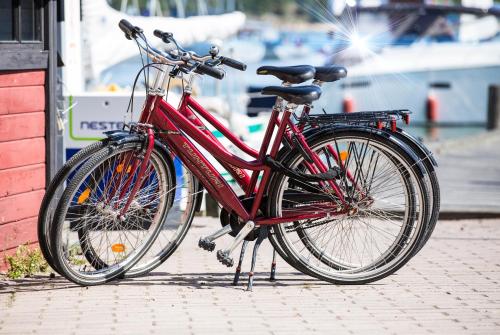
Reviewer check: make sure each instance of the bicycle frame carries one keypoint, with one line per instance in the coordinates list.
(177, 126)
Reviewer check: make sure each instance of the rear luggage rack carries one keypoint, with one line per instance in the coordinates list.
(376, 118)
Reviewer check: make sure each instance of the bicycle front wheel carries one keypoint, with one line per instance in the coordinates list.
(52, 196)
(176, 224)
(94, 239)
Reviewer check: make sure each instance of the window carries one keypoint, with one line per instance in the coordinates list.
(6, 15)
(21, 22)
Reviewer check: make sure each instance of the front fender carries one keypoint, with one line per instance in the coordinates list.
(122, 136)
(117, 137)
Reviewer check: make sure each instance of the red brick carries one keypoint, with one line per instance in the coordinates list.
(22, 78)
(21, 126)
(22, 152)
(20, 206)
(18, 232)
(22, 179)
(27, 99)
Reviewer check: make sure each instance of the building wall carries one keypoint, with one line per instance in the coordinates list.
(22, 157)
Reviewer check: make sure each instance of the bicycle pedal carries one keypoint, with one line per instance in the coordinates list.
(206, 244)
(224, 257)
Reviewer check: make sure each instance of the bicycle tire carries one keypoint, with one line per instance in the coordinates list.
(300, 264)
(426, 163)
(179, 218)
(404, 137)
(94, 277)
(50, 198)
(433, 187)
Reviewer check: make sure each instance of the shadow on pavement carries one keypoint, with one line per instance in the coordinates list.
(192, 280)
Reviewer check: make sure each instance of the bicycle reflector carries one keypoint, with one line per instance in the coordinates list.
(343, 155)
(119, 168)
(118, 247)
(393, 124)
(84, 196)
(406, 118)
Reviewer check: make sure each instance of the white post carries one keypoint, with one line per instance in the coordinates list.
(181, 13)
(202, 7)
(71, 49)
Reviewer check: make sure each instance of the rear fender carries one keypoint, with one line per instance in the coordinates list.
(310, 134)
(424, 152)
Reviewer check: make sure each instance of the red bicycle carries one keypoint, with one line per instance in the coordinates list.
(347, 206)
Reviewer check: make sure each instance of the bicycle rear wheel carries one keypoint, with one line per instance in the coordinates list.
(93, 240)
(368, 243)
(431, 180)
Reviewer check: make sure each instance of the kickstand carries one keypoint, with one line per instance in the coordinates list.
(263, 231)
(273, 267)
(238, 268)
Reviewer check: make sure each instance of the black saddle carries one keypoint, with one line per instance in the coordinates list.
(291, 74)
(330, 73)
(299, 95)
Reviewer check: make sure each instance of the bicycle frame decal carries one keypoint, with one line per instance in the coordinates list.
(215, 181)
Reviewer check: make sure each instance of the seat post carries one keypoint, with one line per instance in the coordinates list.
(318, 82)
(279, 104)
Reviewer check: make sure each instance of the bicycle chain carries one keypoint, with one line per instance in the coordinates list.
(314, 224)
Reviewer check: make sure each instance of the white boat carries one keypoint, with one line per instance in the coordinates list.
(437, 61)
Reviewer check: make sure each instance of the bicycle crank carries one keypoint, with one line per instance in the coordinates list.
(225, 256)
(232, 220)
(207, 243)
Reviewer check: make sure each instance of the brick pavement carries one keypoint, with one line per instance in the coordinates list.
(451, 287)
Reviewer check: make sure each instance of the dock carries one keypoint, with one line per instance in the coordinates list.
(469, 176)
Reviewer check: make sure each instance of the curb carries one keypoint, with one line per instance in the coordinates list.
(451, 215)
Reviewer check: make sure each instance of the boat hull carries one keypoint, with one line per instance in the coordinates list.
(459, 96)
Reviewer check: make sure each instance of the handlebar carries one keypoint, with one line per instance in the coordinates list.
(211, 71)
(130, 30)
(165, 36)
(233, 63)
(181, 57)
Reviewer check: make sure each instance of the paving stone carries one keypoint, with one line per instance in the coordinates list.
(450, 287)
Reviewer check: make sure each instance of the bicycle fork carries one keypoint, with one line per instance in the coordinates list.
(140, 174)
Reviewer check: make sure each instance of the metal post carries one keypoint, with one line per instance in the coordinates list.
(493, 107)
(53, 158)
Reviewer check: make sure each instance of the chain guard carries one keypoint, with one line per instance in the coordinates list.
(232, 219)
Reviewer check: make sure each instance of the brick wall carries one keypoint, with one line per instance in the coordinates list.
(22, 157)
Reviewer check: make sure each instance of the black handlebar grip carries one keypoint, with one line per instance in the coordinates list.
(211, 71)
(127, 28)
(158, 33)
(233, 63)
(165, 36)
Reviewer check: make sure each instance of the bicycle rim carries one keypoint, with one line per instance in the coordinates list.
(335, 262)
(95, 241)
